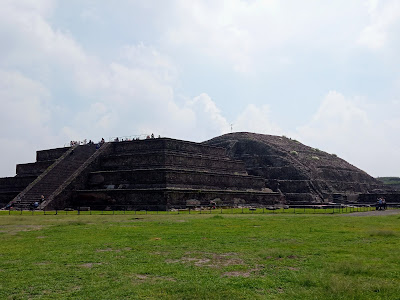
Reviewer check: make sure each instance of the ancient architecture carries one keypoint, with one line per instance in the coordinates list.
(154, 174)
(163, 173)
(303, 174)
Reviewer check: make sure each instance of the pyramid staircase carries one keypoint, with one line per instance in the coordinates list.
(50, 181)
(159, 172)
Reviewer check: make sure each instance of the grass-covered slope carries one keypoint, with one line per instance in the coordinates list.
(199, 257)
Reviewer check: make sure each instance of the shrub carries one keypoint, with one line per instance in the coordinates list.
(315, 157)
(294, 152)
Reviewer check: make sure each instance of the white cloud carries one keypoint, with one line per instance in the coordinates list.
(383, 16)
(251, 34)
(61, 91)
(25, 117)
(208, 121)
(256, 119)
(355, 131)
(25, 109)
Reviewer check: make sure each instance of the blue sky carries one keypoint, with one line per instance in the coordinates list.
(323, 72)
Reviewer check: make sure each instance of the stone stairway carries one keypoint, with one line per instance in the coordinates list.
(47, 183)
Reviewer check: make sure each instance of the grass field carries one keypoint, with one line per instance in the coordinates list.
(193, 256)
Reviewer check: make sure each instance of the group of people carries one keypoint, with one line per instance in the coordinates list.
(381, 204)
(84, 142)
(135, 139)
(99, 144)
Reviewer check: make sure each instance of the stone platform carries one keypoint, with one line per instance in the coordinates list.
(159, 172)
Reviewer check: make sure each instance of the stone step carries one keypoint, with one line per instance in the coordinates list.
(167, 144)
(58, 174)
(149, 177)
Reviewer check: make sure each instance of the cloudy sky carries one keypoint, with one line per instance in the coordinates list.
(326, 73)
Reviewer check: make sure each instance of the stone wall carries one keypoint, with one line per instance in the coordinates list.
(167, 144)
(371, 198)
(11, 186)
(15, 183)
(169, 198)
(176, 160)
(169, 177)
(35, 168)
(51, 154)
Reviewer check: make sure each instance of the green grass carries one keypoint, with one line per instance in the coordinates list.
(193, 256)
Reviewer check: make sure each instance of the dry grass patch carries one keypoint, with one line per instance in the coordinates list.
(89, 265)
(14, 229)
(114, 250)
(43, 263)
(237, 274)
(212, 260)
(383, 233)
(151, 278)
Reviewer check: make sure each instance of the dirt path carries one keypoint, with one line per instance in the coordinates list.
(374, 213)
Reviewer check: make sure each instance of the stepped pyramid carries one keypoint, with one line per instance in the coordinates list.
(153, 174)
(303, 174)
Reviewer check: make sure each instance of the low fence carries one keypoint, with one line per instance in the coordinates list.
(163, 210)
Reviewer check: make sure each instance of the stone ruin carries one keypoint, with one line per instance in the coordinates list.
(303, 174)
(238, 169)
(154, 174)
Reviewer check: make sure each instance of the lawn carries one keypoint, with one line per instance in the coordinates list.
(199, 256)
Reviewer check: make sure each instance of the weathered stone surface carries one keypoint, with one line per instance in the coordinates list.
(234, 169)
(154, 172)
(50, 154)
(302, 173)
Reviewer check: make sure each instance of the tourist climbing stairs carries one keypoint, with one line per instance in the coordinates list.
(54, 177)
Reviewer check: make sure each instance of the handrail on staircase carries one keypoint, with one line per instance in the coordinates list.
(76, 173)
(41, 176)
